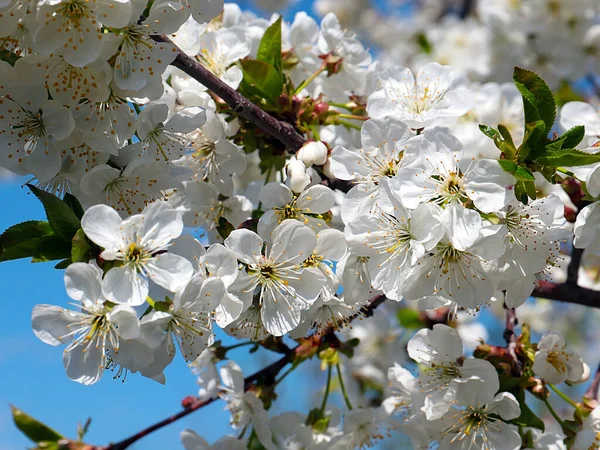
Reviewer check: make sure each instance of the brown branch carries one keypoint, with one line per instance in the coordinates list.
(266, 375)
(282, 131)
(567, 293)
(511, 338)
(573, 267)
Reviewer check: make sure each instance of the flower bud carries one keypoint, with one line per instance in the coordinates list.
(297, 179)
(313, 153)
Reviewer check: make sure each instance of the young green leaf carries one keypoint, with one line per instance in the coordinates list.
(34, 430)
(508, 166)
(61, 217)
(534, 131)
(269, 49)
(572, 137)
(521, 192)
(538, 99)
(261, 79)
(568, 157)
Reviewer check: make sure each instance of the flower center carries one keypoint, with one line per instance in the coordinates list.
(557, 360)
(136, 253)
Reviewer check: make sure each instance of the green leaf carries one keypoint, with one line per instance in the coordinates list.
(269, 49)
(572, 137)
(63, 264)
(505, 133)
(15, 239)
(409, 318)
(22, 250)
(508, 166)
(568, 157)
(74, 204)
(521, 192)
(81, 247)
(534, 131)
(527, 417)
(507, 147)
(261, 80)
(490, 132)
(62, 219)
(519, 172)
(524, 174)
(530, 189)
(34, 430)
(538, 98)
(51, 248)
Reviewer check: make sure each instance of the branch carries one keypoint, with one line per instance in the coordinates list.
(568, 293)
(267, 374)
(511, 338)
(282, 131)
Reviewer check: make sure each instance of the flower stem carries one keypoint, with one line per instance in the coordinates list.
(353, 117)
(315, 132)
(563, 395)
(340, 105)
(343, 388)
(327, 388)
(310, 79)
(554, 414)
(348, 124)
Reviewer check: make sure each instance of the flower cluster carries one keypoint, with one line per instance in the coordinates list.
(424, 179)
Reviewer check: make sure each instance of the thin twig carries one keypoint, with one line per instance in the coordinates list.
(282, 131)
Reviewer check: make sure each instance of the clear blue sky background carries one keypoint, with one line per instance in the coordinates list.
(32, 376)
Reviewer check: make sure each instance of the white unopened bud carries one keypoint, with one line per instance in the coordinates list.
(297, 179)
(313, 153)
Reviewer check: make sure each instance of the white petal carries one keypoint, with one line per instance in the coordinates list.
(83, 282)
(102, 225)
(170, 271)
(125, 285)
(52, 323)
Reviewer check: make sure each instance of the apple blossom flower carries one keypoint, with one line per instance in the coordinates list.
(139, 243)
(164, 140)
(437, 91)
(285, 286)
(383, 143)
(554, 363)
(308, 207)
(473, 418)
(440, 351)
(95, 334)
